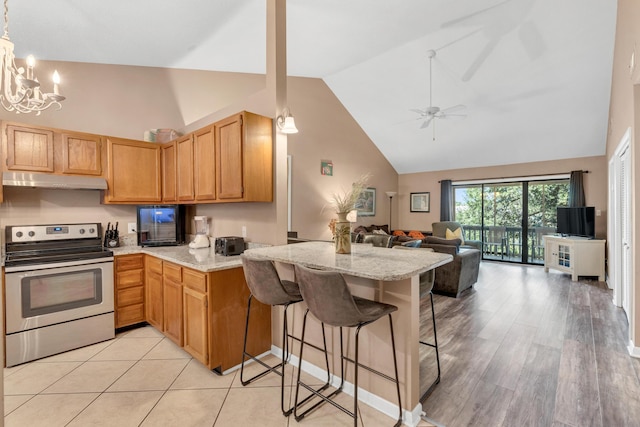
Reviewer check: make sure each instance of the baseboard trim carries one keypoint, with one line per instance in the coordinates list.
(633, 350)
(409, 418)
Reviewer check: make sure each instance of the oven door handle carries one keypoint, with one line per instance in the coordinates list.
(39, 267)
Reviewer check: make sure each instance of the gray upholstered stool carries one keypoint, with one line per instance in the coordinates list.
(330, 301)
(265, 285)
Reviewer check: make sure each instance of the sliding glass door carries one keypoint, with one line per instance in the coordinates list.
(510, 218)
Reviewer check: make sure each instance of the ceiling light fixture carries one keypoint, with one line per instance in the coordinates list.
(21, 92)
(285, 122)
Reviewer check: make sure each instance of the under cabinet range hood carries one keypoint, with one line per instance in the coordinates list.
(44, 180)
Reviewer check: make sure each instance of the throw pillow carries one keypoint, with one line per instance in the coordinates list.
(456, 234)
(398, 233)
(384, 228)
(380, 231)
(416, 234)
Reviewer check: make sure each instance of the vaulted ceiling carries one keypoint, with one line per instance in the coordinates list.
(534, 75)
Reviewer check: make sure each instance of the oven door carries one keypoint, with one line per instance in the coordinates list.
(58, 293)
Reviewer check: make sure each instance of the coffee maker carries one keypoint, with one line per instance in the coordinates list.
(201, 239)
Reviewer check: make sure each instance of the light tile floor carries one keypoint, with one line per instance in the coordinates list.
(142, 379)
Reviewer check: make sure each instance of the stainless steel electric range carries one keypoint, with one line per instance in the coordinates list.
(58, 289)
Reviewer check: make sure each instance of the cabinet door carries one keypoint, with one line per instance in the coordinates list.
(172, 310)
(29, 149)
(229, 158)
(133, 172)
(153, 299)
(204, 163)
(196, 325)
(169, 176)
(81, 154)
(184, 154)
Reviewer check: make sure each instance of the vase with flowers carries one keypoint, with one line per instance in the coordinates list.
(344, 203)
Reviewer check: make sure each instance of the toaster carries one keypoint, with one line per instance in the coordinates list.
(228, 246)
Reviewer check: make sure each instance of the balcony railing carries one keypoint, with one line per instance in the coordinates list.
(505, 243)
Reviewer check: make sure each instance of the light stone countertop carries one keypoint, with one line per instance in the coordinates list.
(364, 260)
(204, 259)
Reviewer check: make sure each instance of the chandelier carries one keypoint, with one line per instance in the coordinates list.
(20, 91)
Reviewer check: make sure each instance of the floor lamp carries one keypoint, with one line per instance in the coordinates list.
(390, 194)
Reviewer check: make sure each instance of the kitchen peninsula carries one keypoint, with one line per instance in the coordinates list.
(381, 274)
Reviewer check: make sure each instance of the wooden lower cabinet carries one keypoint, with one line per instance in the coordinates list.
(129, 290)
(153, 294)
(196, 324)
(172, 310)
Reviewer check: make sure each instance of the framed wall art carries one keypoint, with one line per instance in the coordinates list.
(419, 202)
(366, 203)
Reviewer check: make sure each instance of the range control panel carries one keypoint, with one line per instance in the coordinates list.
(37, 233)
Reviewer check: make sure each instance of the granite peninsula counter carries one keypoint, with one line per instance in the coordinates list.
(381, 274)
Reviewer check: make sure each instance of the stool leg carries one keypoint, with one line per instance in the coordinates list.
(435, 336)
(355, 376)
(395, 368)
(268, 369)
(434, 345)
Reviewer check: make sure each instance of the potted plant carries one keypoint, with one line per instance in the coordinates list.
(343, 203)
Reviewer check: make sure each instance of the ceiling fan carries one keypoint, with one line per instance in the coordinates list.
(433, 112)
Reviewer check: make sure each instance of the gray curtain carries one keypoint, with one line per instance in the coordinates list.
(576, 190)
(446, 200)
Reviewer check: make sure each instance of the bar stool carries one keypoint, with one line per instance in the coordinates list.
(427, 279)
(266, 286)
(330, 301)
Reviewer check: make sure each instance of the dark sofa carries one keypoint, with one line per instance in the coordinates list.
(458, 275)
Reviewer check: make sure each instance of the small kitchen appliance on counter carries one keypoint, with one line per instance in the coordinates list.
(229, 246)
(201, 240)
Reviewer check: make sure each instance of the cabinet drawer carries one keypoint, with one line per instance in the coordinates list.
(129, 262)
(129, 296)
(127, 279)
(195, 280)
(154, 264)
(172, 272)
(130, 315)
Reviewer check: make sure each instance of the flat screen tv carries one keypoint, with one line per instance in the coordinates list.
(577, 221)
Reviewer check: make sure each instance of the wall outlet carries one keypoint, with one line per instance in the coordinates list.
(598, 212)
(244, 231)
(131, 228)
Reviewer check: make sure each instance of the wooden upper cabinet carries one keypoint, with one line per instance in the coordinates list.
(29, 149)
(257, 147)
(204, 164)
(229, 169)
(81, 154)
(169, 175)
(134, 169)
(184, 171)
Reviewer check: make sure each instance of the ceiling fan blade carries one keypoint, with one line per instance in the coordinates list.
(426, 123)
(455, 108)
(477, 63)
(418, 111)
(477, 17)
(448, 116)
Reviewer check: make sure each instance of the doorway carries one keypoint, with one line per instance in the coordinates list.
(620, 223)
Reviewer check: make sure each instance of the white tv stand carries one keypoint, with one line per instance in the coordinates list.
(578, 256)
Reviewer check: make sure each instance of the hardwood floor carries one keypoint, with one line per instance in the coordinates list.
(529, 348)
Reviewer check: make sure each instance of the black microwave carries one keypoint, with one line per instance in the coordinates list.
(161, 225)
